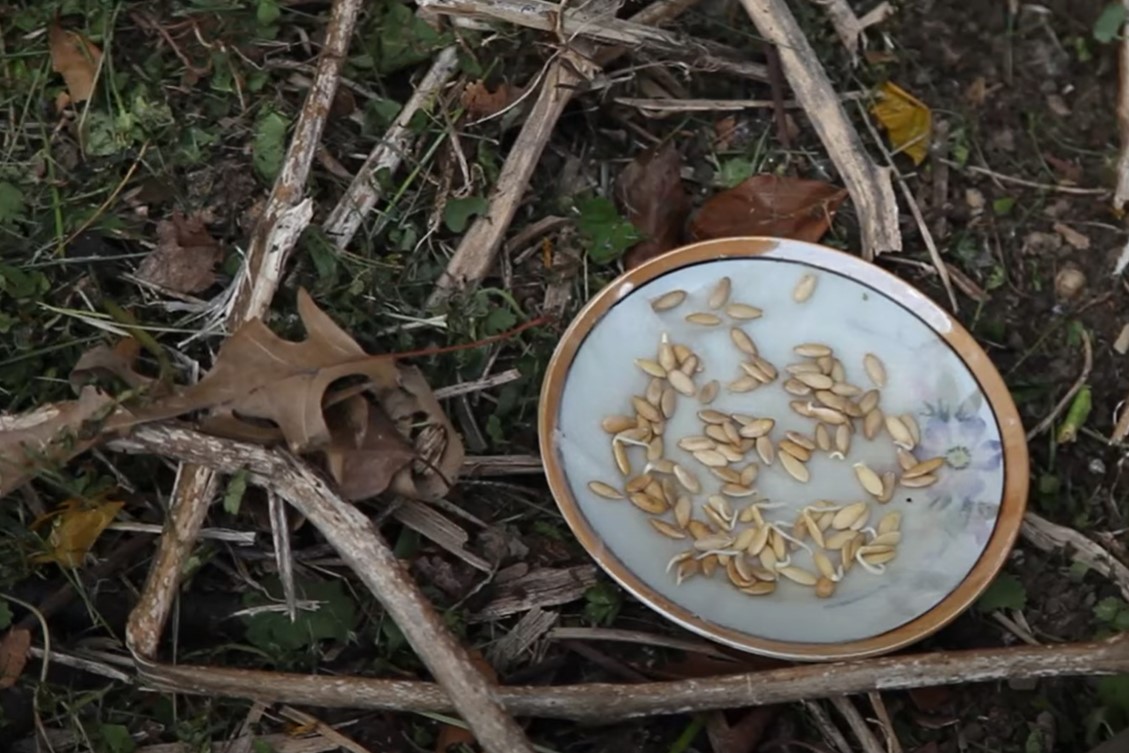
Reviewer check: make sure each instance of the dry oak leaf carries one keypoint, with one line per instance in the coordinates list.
(76, 58)
(651, 194)
(263, 388)
(48, 436)
(13, 655)
(258, 375)
(907, 120)
(769, 205)
(185, 256)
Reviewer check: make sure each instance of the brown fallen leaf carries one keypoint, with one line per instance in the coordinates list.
(13, 656)
(651, 194)
(75, 528)
(743, 737)
(266, 389)
(185, 256)
(480, 102)
(692, 666)
(48, 437)
(1078, 241)
(76, 58)
(769, 205)
(258, 375)
(365, 450)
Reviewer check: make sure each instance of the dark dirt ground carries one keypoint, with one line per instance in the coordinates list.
(1029, 95)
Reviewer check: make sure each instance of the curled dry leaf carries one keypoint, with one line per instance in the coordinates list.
(480, 102)
(651, 194)
(266, 389)
(13, 656)
(49, 436)
(439, 451)
(365, 450)
(184, 257)
(907, 120)
(769, 205)
(76, 58)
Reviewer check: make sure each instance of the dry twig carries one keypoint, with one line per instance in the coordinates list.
(363, 193)
(867, 741)
(850, 27)
(1050, 537)
(893, 744)
(1079, 383)
(1121, 193)
(536, 14)
(869, 185)
(283, 220)
(362, 547)
(479, 247)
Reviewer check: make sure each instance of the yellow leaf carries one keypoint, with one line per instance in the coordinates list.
(907, 120)
(76, 58)
(77, 527)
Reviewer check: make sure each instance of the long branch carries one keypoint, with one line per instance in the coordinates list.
(544, 16)
(870, 187)
(601, 702)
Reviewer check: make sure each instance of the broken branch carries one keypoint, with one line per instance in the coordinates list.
(285, 217)
(360, 544)
(535, 14)
(869, 185)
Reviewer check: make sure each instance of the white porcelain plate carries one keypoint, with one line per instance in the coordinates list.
(945, 527)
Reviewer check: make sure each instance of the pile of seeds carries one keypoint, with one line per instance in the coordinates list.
(736, 533)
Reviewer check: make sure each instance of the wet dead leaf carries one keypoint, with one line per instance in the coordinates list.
(13, 656)
(907, 120)
(480, 102)
(76, 58)
(184, 258)
(651, 193)
(48, 437)
(365, 449)
(77, 525)
(769, 205)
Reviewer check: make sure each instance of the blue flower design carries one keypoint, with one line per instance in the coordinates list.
(968, 448)
(973, 457)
